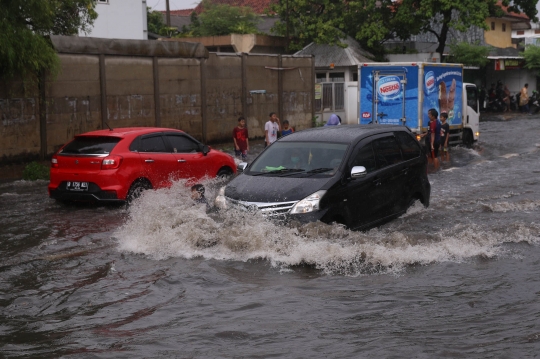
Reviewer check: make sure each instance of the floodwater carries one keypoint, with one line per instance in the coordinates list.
(460, 279)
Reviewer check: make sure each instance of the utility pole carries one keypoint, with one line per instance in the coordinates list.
(287, 34)
(168, 14)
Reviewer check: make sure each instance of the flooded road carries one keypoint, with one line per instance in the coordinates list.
(164, 279)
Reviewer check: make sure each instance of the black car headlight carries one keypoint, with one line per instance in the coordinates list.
(308, 204)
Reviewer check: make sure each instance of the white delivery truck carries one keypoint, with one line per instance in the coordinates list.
(400, 93)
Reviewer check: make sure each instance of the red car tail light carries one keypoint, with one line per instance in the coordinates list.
(111, 162)
(54, 162)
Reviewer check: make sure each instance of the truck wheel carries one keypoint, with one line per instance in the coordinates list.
(468, 138)
(137, 189)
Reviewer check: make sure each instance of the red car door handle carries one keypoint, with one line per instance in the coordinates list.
(148, 161)
(181, 160)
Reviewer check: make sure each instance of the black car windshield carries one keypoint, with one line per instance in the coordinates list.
(299, 158)
(91, 145)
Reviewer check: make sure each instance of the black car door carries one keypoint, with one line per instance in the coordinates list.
(377, 195)
(391, 175)
(362, 196)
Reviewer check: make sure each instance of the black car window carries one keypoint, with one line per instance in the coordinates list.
(366, 158)
(91, 145)
(409, 146)
(182, 144)
(153, 144)
(387, 151)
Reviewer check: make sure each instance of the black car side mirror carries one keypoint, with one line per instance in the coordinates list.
(241, 166)
(204, 149)
(358, 172)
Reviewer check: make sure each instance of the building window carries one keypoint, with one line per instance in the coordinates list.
(102, 1)
(337, 76)
(520, 32)
(492, 25)
(535, 31)
(504, 27)
(320, 77)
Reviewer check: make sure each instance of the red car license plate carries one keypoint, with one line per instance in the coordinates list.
(77, 186)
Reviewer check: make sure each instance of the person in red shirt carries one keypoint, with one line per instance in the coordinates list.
(433, 137)
(241, 139)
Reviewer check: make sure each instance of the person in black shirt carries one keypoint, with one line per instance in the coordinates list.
(445, 135)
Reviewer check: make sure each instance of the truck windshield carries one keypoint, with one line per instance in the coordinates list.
(291, 158)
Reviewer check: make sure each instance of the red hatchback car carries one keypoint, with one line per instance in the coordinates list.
(116, 165)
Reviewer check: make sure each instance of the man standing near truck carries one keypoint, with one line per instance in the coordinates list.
(433, 137)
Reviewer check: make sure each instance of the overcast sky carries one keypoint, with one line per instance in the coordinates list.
(173, 4)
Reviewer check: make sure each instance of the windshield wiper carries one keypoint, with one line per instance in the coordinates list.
(282, 170)
(320, 170)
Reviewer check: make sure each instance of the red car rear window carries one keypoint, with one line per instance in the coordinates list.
(91, 145)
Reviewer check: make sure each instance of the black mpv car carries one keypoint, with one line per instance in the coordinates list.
(360, 176)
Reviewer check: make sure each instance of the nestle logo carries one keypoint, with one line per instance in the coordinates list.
(366, 115)
(389, 86)
(430, 81)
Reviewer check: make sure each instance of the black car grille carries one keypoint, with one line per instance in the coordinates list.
(267, 209)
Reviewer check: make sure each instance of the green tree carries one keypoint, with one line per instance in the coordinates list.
(221, 19)
(532, 57)
(440, 16)
(469, 54)
(305, 21)
(24, 27)
(154, 21)
(372, 22)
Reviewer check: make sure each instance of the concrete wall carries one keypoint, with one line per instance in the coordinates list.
(19, 115)
(202, 96)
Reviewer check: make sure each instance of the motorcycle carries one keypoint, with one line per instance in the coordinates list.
(495, 104)
(534, 102)
(514, 102)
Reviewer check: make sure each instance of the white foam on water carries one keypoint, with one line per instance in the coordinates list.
(9, 194)
(519, 206)
(167, 223)
(510, 155)
(23, 183)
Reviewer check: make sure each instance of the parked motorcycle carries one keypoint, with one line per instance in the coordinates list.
(534, 102)
(495, 104)
(514, 102)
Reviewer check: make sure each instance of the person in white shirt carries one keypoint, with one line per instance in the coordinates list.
(271, 129)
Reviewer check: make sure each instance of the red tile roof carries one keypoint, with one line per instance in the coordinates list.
(512, 14)
(259, 6)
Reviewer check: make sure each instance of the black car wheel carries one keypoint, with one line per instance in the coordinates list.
(224, 174)
(137, 189)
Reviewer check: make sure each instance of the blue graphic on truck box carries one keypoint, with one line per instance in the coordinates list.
(390, 92)
(443, 91)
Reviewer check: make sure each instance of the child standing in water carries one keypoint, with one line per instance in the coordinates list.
(241, 139)
(286, 130)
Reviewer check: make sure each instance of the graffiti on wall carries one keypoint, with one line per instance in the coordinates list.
(17, 111)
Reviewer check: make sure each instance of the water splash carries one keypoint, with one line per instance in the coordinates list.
(167, 223)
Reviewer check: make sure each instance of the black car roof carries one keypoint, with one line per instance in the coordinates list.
(340, 134)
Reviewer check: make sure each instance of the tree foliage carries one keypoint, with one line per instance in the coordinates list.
(25, 25)
(439, 16)
(372, 22)
(154, 21)
(532, 57)
(469, 54)
(222, 19)
(156, 25)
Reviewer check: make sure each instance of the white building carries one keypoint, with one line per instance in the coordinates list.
(120, 19)
(336, 79)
